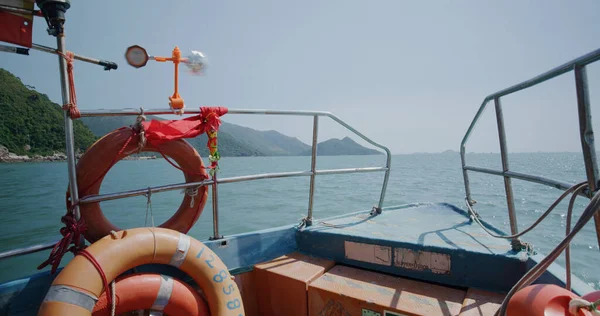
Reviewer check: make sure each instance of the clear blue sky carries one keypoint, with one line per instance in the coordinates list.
(411, 75)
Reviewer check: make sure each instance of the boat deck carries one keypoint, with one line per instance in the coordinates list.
(433, 242)
(421, 259)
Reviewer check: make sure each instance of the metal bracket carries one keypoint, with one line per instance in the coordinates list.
(376, 211)
(308, 221)
(518, 246)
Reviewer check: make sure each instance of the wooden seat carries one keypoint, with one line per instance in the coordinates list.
(481, 303)
(350, 291)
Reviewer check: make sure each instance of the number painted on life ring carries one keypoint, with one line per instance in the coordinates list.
(222, 277)
(208, 261)
(233, 304)
(230, 289)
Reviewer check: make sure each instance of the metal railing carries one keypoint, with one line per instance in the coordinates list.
(312, 173)
(585, 130)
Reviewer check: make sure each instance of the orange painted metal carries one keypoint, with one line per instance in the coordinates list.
(481, 303)
(347, 291)
(281, 284)
(175, 101)
(246, 284)
(542, 299)
(138, 246)
(139, 291)
(94, 163)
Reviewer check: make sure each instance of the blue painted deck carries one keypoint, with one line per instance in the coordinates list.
(475, 258)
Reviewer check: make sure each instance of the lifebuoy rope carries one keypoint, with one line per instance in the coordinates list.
(110, 289)
(72, 105)
(96, 265)
(149, 207)
(71, 233)
(139, 128)
(113, 291)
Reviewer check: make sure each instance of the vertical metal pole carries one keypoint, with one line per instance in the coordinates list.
(586, 133)
(313, 168)
(215, 204)
(69, 138)
(507, 181)
(386, 178)
(466, 176)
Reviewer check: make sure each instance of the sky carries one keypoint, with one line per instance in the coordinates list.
(408, 74)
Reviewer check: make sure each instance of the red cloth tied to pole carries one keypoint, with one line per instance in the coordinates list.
(158, 132)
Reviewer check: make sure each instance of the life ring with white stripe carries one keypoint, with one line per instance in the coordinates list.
(152, 291)
(76, 289)
(118, 144)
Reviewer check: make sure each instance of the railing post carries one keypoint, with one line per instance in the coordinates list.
(507, 180)
(215, 207)
(386, 178)
(463, 160)
(586, 133)
(313, 168)
(69, 136)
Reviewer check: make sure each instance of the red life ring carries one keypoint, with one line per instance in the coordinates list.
(153, 291)
(542, 299)
(118, 144)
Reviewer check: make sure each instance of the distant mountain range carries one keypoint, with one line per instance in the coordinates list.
(33, 125)
(339, 147)
(236, 140)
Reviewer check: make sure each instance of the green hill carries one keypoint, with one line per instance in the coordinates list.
(340, 147)
(31, 124)
(270, 143)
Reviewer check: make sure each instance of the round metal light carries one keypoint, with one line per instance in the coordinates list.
(136, 56)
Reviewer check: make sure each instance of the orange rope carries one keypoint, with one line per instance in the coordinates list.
(72, 105)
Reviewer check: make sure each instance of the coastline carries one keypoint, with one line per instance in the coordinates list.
(56, 157)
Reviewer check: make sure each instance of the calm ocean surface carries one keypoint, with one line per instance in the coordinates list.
(32, 198)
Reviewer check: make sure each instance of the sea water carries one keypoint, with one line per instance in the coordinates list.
(32, 198)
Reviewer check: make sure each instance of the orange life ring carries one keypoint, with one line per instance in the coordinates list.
(153, 291)
(542, 299)
(75, 290)
(118, 144)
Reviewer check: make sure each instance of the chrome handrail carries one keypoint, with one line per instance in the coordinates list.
(312, 173)
(586, 136)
